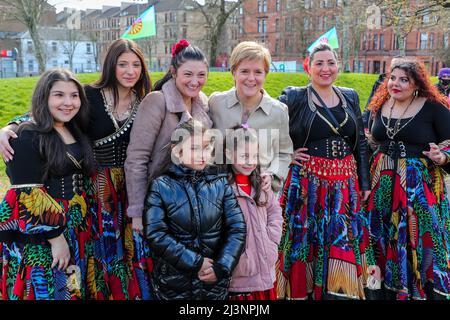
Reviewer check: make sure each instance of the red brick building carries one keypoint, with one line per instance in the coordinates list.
(288, 27)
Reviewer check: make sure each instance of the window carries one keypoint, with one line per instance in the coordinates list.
(165, 17)
(325, 22)
(381, 41)
(55, 63)
(277, 5)
(241, 10)
(445, 40)
(30, 65)
(288, 24)
(320, 23)
(66, 62)
(241, 29)
(184, 17)
(88, 48)
(262, 5)
(306, 23)
(423, 40)
(54, 46)
(375, 42)
(277, 25)
(431, 40)
(262, 26)
(287, 45)
(307, 4)
(184, 31)
(277, 45)
(396, 42)
(29, 45)
(426, 18)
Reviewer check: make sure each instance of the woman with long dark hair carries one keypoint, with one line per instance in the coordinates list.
(408, 207)
(44, 222)
(176, 98)
(120, 259)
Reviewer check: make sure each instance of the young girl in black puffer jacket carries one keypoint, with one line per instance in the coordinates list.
(193, 223)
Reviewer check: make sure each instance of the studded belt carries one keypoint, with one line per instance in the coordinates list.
(112, 154)
(67, 186)
(399, 149)
(330, 148)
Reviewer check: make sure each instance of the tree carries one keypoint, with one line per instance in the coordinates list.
(352, 24)
(404, 16)
(70, 44)
(216, 13)
(29, 13)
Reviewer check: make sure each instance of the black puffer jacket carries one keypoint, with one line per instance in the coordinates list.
(301, 117)
(190, 215)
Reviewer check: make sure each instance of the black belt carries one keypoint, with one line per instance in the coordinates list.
(331, 148)
(111, 154)
(399, 149)
(66, 187)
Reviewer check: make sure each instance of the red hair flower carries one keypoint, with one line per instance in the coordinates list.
(180, 45)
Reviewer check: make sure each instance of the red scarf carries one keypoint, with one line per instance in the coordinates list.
(243, 182)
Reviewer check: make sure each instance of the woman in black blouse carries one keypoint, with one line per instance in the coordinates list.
(44, 223)
(324, 249)
(408, 207)
(120, 257)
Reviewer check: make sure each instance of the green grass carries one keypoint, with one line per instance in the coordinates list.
(15, 93)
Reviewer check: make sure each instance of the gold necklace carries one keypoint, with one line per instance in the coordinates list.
(74, 160)
(391, 132)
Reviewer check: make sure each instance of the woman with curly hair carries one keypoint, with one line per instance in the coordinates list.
(408, 207)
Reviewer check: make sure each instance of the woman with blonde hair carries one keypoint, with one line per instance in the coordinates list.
(248, 104)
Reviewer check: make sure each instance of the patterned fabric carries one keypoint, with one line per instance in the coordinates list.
(325, 249)
(409, 224)
(30, 214)
(270, 294)
(120, 261)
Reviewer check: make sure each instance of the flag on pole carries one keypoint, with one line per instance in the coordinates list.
(329, 37)
(144, 26)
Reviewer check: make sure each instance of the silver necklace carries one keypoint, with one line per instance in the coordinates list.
(391, 132)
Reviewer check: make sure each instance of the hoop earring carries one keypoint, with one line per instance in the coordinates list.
(416, 93)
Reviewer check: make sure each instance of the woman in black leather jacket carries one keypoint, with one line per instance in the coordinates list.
(194, 225)
(324, 249)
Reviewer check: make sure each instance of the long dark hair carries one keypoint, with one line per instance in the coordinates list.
(416, 71)
(182, 52)
(51, 146)
(235, 136)
(108, 76)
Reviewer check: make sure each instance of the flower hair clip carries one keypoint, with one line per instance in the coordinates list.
(180, 45)
(245, 126)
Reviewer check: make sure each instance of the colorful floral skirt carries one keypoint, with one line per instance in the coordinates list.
(26, 267)
(324, 250)
(410, 227)
(120, 259)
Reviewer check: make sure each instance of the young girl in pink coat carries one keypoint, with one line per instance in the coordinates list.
(254, 276)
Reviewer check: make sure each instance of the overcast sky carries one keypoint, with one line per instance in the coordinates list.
(90, 4)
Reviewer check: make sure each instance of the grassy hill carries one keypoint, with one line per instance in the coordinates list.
(15, 93)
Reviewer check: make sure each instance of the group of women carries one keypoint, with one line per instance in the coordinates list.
(358, 223)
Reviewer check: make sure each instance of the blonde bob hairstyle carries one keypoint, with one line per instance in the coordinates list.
(249, 50)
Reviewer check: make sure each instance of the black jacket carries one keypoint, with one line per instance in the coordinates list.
(301, 117)
(190, 215)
